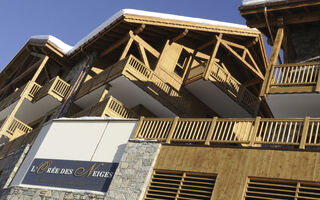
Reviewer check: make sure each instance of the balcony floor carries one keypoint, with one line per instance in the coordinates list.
(294, 105)
(5, 112)
(29, 112)
(129, 94)
(216, 99)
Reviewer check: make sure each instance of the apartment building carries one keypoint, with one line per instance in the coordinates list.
(167, 107)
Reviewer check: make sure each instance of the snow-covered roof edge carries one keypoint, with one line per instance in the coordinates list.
(258, 2)
(63, 47)
(67, 49)
(156, 15)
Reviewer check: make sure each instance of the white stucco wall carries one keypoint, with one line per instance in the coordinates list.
(82, 140)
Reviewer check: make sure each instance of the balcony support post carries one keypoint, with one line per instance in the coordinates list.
(254, 131)
(272, 60)
(211, 130)
(136, 133)
(304, 133)
(318, 83)
(173, 127)
(212, 57)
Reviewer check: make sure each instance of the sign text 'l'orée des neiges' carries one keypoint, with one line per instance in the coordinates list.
(82, 175)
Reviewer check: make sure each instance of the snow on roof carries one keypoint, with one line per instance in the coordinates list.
(63, 47)
(152, 14)
(93, 118)
(258, 2)
(67, 49)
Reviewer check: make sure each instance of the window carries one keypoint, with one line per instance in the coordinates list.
(280, 189)
(182, 63)
(180, 185)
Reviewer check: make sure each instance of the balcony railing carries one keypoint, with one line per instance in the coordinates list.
(247, 132)
(31, 89)
(13, 128)
(231, 86)
(136, 67)
(109, 107)
(135, 70)
(56, 87)
(298, 77)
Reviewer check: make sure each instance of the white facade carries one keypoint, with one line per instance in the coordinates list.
(96, 140)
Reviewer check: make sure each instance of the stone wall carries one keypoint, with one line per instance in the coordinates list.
(306, 42)
(10, 164)
(24, 193)
(134, 171)
(129, 182)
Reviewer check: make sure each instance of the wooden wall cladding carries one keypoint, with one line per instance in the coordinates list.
(233, 166)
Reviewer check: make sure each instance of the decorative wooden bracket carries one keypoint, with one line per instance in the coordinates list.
(178, 37)
(122, 41)
(245, 58)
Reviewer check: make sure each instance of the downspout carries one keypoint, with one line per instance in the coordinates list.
(77, 84)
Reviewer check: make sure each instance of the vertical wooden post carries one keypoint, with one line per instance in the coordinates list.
(318, 82)
(254, 131)
(271, 71)
(211, 130)
(173, 127)
(136, 133)
(273, 59)
(212, 57)
(126, 49)
(304, 133)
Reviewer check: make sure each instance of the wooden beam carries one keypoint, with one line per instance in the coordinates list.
(42, 65)
(294, 19)
(143, 55)
(276, 47)
(47, 73)
(143, 43)
(178, 37)
(272, 60)
(256, 72)
(251, 82)
(126, 49)
(213, 56)
(205, 45)
(92, 73)
(122, 41)
(252, 43)
(30, 69)
(37, 55)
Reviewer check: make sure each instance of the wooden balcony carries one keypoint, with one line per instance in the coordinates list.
(110, 107)
(292, 90)
(294, 78)
(31, 89)
(254, 132)
(13, 128)
(56, 87)
(160, 97)
(230, 86)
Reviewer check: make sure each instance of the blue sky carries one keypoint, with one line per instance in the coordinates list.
(71, 20)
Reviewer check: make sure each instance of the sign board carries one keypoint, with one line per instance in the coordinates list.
(82, 175)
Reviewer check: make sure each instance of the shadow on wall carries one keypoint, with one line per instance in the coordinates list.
(119, 153)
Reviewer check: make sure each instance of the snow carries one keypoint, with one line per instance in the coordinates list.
(63, 47)
(258, 2)
(93, 118)
(67, 49)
